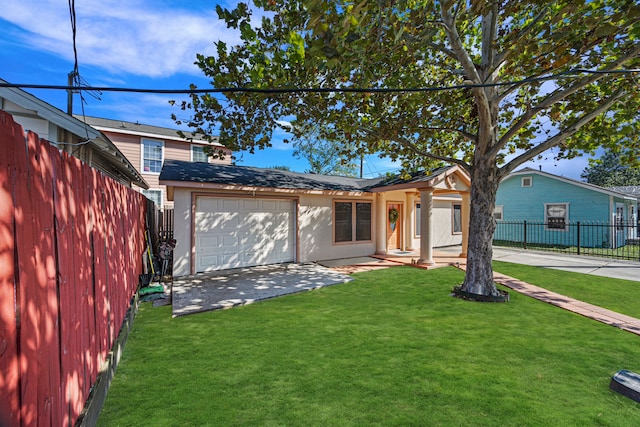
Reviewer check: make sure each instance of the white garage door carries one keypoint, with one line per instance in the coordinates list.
(234, 232)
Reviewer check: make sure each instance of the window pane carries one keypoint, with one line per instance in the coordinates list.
(198, 155)
(363, 221)
(418, 220)
(151, 156)
(457, 218)
(343, 228)
(556, 216)
(155, 196)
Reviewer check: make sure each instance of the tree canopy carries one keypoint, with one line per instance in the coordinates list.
(487, 85)
(610, 171)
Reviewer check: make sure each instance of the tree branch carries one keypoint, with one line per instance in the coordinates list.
(482, 101)
(557, 96)
(411, 146)
(562, 135)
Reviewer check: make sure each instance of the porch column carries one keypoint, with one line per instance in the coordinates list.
(466, 208)
(426, 240)
(381, 224)
(408, 223)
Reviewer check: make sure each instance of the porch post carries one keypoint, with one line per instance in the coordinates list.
(466, 208)
(381, 224)
(408, 223)
(426, 240)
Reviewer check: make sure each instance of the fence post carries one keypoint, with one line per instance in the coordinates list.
(524, 242)
(578, 237)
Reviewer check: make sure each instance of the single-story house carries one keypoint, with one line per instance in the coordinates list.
(236, 216)
(552, 205)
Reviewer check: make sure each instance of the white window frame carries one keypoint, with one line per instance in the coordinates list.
(155, 142)
(498, 211)
(193, 156)
(453, 216)
(526, 182)
(157, 190)
(566, 216)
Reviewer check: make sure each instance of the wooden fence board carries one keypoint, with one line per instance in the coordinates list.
(10, 136)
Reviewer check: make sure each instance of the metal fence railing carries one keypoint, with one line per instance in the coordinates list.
(618, 240)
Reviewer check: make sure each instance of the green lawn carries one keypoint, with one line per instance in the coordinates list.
(622, 296)
(390, 348)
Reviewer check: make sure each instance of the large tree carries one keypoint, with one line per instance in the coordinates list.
(487, 85)
(612, 171)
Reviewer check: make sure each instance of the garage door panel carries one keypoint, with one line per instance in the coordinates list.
(233, 233)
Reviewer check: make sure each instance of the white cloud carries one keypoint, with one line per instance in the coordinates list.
(144, 38)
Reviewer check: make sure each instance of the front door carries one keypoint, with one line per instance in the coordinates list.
(394, 226)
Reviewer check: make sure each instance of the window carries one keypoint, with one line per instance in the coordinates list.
(155, 196)
(498, 213)
(352, 222)
(417, 219)
(152, 155)
(527, 181)
(556, 216)
(457, 218)
(198, 154)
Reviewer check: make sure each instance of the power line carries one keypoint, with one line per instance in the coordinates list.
(564, 75)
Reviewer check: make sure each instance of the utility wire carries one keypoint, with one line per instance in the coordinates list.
(564, 75)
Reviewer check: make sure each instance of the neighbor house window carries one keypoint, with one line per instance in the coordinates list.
(498, 213)
(352, 221)
(527, 181)
(152, 155)
(556, 216)
(457, 218)
(155, 196)
(417, 219)
(198, 154)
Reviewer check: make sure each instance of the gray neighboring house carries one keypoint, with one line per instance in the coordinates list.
(69, 134)
(236, 216)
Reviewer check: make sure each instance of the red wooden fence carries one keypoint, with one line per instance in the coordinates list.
(71, 244)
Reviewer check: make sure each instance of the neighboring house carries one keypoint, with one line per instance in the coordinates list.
(69, 134)
(236, 216)
(555, 203)
(147, 147)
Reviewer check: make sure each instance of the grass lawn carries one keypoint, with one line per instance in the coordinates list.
(389, 348)
(618, 295)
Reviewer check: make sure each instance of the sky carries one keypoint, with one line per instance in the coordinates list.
(150, 44)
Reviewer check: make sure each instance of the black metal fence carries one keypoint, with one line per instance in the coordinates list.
(618, 240)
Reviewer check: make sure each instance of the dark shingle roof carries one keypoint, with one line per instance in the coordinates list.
(178, 170)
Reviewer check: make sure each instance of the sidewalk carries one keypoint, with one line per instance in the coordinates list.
(617, 269)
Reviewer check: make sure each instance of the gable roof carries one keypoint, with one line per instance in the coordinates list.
(593, 187)
(56, 116)
(136, 128)
(178, 171)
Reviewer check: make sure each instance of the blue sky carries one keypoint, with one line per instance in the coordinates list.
(140, 44)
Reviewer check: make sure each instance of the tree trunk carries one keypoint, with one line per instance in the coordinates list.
(484, 185)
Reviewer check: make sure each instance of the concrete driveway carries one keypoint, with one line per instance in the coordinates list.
(230, 288)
